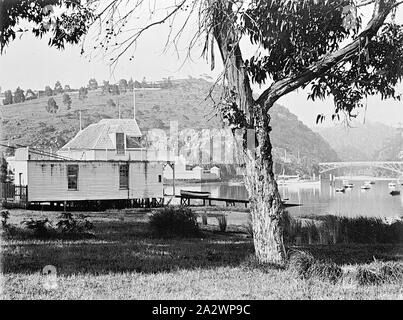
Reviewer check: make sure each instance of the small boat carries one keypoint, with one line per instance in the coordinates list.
(349, 185)
(198, 194)
(340, 190)
(369, 182)
(365, 187)
(394, 192)
(392, 185)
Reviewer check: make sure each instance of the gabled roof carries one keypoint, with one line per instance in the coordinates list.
(97, 135)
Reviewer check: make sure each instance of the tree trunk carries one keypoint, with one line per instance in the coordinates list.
(266, 205)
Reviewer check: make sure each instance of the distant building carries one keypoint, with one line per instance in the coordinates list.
(196, 173)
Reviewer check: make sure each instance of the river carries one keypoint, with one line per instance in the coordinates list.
(318, 199)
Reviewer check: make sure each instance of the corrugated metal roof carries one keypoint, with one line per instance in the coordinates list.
(96, 136)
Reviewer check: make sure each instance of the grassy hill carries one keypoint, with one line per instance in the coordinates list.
(29, 123)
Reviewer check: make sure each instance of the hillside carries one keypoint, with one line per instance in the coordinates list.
(360, 142)
(29, 123)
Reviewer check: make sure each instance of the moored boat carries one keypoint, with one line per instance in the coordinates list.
(394, 192)
(392, 185)
(365, 187)
(198, 194)
(340, 190)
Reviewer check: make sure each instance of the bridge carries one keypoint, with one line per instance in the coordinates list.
(395, 166)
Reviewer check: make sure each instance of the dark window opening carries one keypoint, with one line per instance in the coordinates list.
(124, 176)
(159, 178)
(120, 143)
(72, 176)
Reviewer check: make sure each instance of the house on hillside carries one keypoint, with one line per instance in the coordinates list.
(104, 163)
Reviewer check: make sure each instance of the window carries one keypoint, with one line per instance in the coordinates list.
(72, 176)
(159, 178)
(124, 176)
(120, 143)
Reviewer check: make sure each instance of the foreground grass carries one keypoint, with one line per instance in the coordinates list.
(126, 262)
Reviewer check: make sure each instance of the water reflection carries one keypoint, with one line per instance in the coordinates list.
(320, 198)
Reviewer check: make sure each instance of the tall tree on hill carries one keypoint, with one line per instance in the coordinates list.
(58, 88)
(67, 101)
(48, 91)
(114, 90)
(123, 86)
(320, 44)
(19, 95)
(106, 87)
(92, 84)
(8, 97)
(130, 85)
(82, 94)
(52, 106)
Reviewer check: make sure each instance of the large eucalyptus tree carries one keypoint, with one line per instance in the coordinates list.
(320, 44)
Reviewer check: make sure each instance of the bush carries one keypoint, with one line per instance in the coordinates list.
(5, 215)
(74, 225)
(331, 230)
(305, 266)
(380, 272)
(42, 228)
(174, 221)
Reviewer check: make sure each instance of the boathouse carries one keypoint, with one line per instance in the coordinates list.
(104, 163)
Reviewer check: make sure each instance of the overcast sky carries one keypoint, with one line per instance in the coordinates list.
(30, 63)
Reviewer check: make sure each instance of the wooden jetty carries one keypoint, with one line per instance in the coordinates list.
(186, 196)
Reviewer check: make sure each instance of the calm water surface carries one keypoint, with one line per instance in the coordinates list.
(321, 198)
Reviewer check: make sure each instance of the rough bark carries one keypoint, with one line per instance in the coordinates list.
(266, 205)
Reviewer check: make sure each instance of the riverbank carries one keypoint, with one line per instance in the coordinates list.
(124, 261)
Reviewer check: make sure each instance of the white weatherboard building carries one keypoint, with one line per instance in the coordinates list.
(102, 162)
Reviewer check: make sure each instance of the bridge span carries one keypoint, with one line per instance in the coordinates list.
(394, 166)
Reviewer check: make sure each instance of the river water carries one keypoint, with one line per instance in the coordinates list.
(320, 198)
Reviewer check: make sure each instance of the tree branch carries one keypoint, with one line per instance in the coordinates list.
(284, 86)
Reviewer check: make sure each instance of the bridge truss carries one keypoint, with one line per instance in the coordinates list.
(395, 166)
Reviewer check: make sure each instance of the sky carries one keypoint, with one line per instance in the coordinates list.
(30, 63)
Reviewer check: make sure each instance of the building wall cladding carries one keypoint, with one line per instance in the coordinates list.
(97, 180)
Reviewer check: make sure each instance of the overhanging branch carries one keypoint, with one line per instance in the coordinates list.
(284, 86)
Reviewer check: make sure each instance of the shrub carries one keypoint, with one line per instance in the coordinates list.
(304, 265)
(222, 222)
(299, 262)
(74, 225)
(5, 215)
(332, 229)
(174, 221)
(380, 272)
(42, 228)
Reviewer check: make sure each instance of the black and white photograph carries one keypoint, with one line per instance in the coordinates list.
(201, 155)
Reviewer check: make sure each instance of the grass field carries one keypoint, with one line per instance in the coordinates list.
(124, 261)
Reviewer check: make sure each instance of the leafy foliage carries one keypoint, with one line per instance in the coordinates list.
(294, 35)
(68, 27)
(74, 225)
(19, 95)
(52, 106)
(8, 97)
(83, 93)
(67, 101)
(174, 221)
